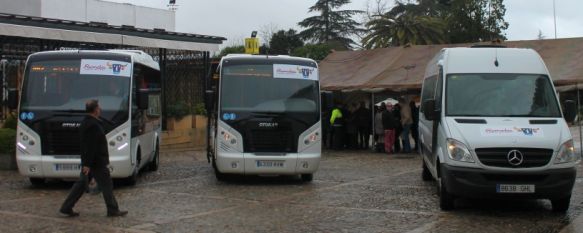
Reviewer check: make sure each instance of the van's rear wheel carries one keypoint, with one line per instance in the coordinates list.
(446, 199)
(307, 177)
(37, 181)
(425, 175)
(561, 205)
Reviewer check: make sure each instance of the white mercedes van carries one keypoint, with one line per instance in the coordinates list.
(491, 127)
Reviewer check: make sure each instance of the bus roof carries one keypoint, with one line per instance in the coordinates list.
(263, 57)
(138, 56)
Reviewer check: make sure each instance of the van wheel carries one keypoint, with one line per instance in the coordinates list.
(155, 164)
(561, 205)
(425, 175)
(307, 177)
(446, 199)
(36, 182)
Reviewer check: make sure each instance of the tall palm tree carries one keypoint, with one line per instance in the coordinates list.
(385, 31)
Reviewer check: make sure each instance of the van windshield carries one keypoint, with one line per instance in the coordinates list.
(500, 95)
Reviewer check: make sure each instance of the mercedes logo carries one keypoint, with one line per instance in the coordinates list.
(515, 157)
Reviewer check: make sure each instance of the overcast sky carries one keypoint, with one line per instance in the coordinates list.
(235, 19)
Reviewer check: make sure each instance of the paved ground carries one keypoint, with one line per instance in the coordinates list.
(352, 192)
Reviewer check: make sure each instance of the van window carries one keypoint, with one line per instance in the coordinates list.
(428, 91)
(504, 95)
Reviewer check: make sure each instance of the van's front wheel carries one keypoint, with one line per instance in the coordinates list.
(446, 199)
(561, 205)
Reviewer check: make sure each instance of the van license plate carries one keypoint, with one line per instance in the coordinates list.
(515, 188)
(67, 167)
(261, 163)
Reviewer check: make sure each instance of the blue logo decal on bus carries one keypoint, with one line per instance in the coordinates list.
(226, 116)
(23, 116)
(30, 115)
(116, 68)
(233, 116)
(306, 72)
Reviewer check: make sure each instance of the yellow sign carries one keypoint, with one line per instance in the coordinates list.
(252, 45)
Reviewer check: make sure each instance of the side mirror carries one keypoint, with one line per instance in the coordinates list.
(570, 111)
(143, 99)
(209, 100)
(12, 99)
(429, 110)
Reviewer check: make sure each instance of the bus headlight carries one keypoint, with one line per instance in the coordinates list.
(567, 153)
(311, 138)
(457, 151)
(229, 138)
(118, 138)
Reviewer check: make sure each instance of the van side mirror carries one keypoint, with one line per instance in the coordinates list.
(570, 111)
(429, 110)
(143, 99)
(12, 99)
(209, 100)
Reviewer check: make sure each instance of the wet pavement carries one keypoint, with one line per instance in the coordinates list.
(354, 191)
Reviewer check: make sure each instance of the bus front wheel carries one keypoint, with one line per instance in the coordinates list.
(307, 177)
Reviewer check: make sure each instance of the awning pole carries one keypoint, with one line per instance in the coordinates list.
(372, 109)
(579, 121)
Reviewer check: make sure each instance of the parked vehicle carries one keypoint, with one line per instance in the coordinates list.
(56, 86)
(491, 127)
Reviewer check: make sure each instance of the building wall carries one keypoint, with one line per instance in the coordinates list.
(93, 10)
(21, 7)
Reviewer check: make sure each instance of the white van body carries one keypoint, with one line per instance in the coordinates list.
(498, 130)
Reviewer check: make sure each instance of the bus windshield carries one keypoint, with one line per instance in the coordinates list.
(252, 88)
(63, 86)
(500, 95)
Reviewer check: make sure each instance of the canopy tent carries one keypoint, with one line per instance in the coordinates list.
(401, 69)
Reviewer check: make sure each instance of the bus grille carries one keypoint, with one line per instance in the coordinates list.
(270, 141)
(498, 157)
(61, 142)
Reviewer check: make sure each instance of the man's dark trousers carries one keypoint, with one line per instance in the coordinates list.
(103, 178)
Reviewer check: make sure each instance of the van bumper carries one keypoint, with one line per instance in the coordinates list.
(480, 183)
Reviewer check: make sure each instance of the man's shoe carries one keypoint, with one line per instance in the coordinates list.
(69, 213)
(117, 214)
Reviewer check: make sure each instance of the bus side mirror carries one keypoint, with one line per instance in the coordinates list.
(570, 111)
(12, 99)
(143, 99)
(209, 100)
(429, 110)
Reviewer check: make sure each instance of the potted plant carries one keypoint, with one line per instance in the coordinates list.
(179, 116)
(199, 120)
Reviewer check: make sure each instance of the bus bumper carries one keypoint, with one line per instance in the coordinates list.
(36, 166)
(253, 164)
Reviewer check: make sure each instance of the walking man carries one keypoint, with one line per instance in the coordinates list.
(94, 162)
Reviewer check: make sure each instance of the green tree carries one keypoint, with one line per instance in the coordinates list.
(284, 42)
(437, 21)
(232, 49)
(314, 51)
(331, 24)
(385, 31)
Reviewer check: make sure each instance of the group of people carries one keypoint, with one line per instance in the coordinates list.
(395, 124)
(351, 126)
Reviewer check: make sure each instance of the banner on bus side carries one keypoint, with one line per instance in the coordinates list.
(295, 71)
(105, 67)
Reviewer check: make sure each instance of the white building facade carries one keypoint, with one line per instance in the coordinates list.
(93, 11)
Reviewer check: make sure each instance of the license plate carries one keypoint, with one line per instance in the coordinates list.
(67, 167)
(515, 188)
(269, 163)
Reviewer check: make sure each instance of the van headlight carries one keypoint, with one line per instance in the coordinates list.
(458, 151)
(567, 153)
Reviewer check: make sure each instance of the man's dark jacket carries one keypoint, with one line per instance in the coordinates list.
(93, 143)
